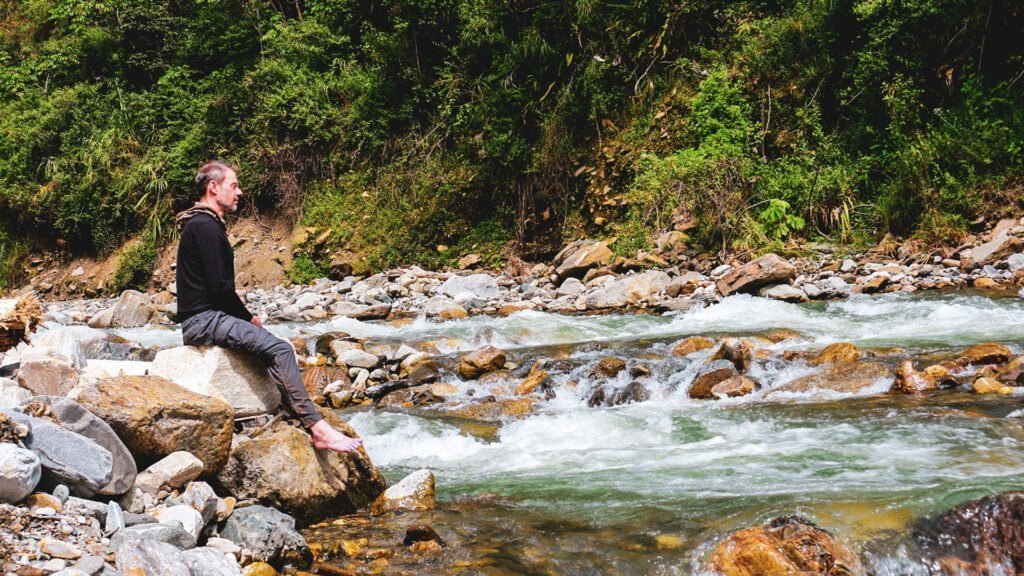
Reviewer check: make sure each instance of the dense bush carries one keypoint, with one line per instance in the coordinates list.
(409, 125)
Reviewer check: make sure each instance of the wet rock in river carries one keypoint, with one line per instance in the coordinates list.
(414, 492)
(711, 374)
(1013, 372)
(838, 352)
(990, 386)
(988, 353)
(734, 387)
(233, 376)
(979, 537)
(421, 533)
(536, 378)
(845, 378)
(787, 546)
(76, 418)
(767, 269)
(737, 351)
(281, 468)
(155, 417)
(494, 410)
(480, 362)
(269, 534)
(608, 368)
(910, 381)
(691, 345)
(630, 393)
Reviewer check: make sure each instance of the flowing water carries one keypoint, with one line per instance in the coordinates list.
(650, 487)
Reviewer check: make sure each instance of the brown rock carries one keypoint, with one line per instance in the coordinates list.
(779, 334)
(155, 417)
(713, 373)
(536, 377)
(846, 378)
(768, 269)
(910, 381)
(1013, 373)
(838, 352)
(996, 249)
(579, 256)
(317, 377)
(736, 351)
(985, 283)
(280, 468)
(494, 411)
(983, 535)
(988, 353)
(990, 386)
(691, 345)
(608, 368)
(421, 533)
(734, 387)
(943, 375)
(47, 377)
(787, 546)
(874, 284)
(480, 362)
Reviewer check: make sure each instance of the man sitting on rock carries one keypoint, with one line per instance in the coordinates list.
(211, 311)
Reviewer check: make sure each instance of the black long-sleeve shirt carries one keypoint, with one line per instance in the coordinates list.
(206, 270)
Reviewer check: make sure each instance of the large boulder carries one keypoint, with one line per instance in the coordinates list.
(47, 376)
(156, 417)
(987, 353)
(632, 290)
(977, 537)
(20, 471)
(131, 310)
(847, 378)
(280, 468)
(787, 546)
(996, 249)
(482, 286)
(582, 255)
(480, 362)
(206, 561)
(269, 534)
(167, 533)
(76, 418)
(837, 352)
(768, 269)
(233, 376)
(67, 457)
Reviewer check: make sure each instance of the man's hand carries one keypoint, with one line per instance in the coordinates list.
(256, 320)
(327, 438)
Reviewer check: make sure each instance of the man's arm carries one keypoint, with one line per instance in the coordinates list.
(217, 269)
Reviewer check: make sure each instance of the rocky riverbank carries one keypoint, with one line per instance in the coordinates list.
(119, 456)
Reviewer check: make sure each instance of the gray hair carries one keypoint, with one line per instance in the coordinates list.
(212, 171)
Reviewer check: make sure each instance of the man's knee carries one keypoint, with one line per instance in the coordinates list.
(281, 350)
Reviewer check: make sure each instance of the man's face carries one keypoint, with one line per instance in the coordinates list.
(228, 192)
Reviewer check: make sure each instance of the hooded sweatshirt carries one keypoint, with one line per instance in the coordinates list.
(206, 266)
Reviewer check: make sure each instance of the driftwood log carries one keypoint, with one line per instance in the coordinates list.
(18, 316)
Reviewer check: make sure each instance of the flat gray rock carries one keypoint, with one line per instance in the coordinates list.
(74, 417)
(167, 534)
(68, 457)
(209, 562)
(151, 557)
(268, 533)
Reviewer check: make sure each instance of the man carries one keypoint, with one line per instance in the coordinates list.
(211, 311)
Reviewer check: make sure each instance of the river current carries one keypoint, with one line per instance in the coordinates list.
(650, 487)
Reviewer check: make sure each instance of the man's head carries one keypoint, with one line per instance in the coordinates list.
(218, 186)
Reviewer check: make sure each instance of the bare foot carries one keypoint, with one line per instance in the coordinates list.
(327, 438)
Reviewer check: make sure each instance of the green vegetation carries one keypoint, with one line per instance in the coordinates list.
(419, 130)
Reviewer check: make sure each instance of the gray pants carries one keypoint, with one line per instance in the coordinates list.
(213, 327)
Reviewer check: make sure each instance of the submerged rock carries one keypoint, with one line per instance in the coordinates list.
(156, 417)
(281, 468)
(845, 378)
(691, 345)
(786, 546)
(736, 351)
(734, 387)
(837, 352)
(608, 368)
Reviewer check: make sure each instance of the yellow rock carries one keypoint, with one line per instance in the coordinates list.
(259, 569)
(668, 542)
(691, 345)
(988, 353)
(536, 378)
(990, 386)
(453, 314)
(984, 283)
(351, 548)
(429, 547)
(838, 352)
(44, 500)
